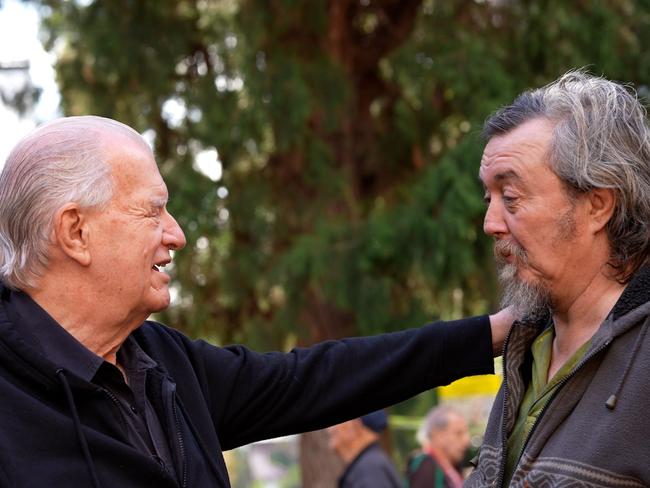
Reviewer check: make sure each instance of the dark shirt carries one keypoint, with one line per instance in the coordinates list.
(371, 469)
(144, 429)
(424, 472)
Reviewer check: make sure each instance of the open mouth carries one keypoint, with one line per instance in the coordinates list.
(160, 265)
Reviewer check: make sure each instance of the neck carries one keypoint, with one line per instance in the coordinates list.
(577, 318)
(440, 457)
(350, 452)
(98, 327)
(451, 473)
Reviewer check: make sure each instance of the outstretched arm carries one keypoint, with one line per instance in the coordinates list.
(252, 396)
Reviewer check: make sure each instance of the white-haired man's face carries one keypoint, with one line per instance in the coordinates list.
(453, 440)
(133, 236)
(541, 236)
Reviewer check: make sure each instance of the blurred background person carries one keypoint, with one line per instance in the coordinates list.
(357, 444)
(444, 437)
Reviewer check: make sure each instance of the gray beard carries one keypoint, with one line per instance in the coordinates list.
(529, 302)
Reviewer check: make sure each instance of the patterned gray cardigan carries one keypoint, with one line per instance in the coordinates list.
(593, 432)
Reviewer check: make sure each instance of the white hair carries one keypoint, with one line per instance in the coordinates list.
(436, 420)
(62, 161)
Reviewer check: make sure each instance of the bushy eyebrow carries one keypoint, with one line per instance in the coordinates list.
(504, 176)
(507, 175)
(159, 202)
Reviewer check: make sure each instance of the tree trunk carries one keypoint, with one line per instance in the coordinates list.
(358, 53)
(320, 467)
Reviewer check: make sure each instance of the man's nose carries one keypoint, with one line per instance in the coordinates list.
(493, 224)
(173, 236)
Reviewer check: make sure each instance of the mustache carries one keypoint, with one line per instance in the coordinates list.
(504, 248)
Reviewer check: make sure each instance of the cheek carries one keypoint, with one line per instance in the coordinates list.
(531, 236)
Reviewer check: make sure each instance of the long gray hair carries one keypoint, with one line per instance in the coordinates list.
(60, 162)
(601, 140)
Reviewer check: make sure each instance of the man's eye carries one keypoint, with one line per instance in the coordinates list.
(487, 199)
(508, 200)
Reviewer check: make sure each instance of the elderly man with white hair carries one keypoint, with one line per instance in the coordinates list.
(444, 437)
(94, 394)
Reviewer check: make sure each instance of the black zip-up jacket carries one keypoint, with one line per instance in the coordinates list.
(57, 430)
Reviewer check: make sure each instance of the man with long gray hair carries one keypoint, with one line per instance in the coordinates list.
(566, 172)
(94, 394)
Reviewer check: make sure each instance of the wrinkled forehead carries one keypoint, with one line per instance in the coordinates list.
(114, 137)
(132, 166)
(521, 149)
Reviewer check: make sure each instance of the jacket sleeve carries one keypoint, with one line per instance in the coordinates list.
(253, 396)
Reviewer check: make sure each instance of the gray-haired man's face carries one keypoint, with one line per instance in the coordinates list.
(540, 238)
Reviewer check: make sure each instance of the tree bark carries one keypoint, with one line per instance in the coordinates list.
(359, 54)
(320, 467)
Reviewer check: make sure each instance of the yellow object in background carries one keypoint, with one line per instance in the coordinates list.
(474, 385)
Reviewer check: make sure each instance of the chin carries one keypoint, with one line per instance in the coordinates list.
(160, 302)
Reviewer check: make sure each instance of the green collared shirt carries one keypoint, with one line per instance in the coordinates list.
(537, 394)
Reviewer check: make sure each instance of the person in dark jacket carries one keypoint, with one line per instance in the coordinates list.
(94, 394)
(357, 444)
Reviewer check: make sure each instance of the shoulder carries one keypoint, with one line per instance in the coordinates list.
(421, 461)
(157, 337)
(422, 469)
(373, 458)
(174, 351)
(373, 466)
(171, 348)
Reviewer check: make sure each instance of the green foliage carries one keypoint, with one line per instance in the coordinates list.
(349, 142)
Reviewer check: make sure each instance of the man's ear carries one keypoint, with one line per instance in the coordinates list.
(70, 233)
(602, 202)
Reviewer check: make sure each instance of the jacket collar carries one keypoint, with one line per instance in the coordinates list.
(636, 294)
(46, 334)
(632, 306)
